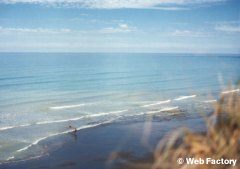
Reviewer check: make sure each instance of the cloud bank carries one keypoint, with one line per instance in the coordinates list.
(188, 33)
(122, 28)
(228, 28)
(118, 4)
(32, 30)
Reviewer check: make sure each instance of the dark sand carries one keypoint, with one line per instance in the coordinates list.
(106, 146)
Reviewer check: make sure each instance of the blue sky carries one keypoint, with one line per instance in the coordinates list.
(175, 26)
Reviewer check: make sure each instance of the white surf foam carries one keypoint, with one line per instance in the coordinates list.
(34, 143)
(106, 113)
(55, 134)
(66, 106)
(141, 102)
(60, 121)
(10, 158)
(11, 127)
(138, 114)
(185, 97)
(42, 122)
(169, 108)
(209, 101)
(157, 103)
(163, 110)
(6, 128)
(230, 91)
(64, 120)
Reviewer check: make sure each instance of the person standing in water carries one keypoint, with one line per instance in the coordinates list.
(74, 129)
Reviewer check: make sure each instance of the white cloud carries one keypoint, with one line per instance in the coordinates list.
(188, 33)
(33, 30)
(121, 28)
(228, 28)
(116, 4)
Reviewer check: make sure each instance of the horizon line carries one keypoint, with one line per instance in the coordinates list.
(200, 53)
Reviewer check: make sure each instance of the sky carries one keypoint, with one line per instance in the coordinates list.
(154, 26)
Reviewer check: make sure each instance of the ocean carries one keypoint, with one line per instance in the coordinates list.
(41, 94)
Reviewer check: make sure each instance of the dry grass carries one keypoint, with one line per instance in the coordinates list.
(221, 140)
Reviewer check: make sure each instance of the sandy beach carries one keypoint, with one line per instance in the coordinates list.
(106, 146)
(119, 84)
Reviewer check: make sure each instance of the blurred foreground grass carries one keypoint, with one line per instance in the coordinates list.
(221, 140)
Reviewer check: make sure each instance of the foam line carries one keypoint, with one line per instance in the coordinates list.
(42, 122)
(209, 101)
(10, 127)
(60, 121)
(68, 131)
(157, 103)
(230, 91)
(163, 110)
(66, 107)
(102, 114)
(185, 97)
(7, 127)
(169, 108)
(65, 120)
(10, 158)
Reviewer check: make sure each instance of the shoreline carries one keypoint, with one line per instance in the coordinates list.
(97, 147)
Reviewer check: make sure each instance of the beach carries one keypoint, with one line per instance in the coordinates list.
(110, 84)
(103, 96)
(106, 146)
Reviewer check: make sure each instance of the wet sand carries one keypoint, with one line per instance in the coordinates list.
(104, 147)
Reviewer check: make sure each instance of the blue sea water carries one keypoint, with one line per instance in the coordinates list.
(41, 94)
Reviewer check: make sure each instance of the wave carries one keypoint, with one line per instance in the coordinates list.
(138, 114)
(157, 103)
(164, 110)
(66, 106)
(12, 157)
(107, 113)
(42, 122)
(10, 127)
(209, 101)
(65, 120)
(78, 118)
(185, 97)
(230, 91)
(9, 158)
(141, 102)
(34, 143)
(65, 132)
(169, 109)
(7, 127)
(60, 121)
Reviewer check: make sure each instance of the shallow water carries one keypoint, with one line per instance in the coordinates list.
(42, 94)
